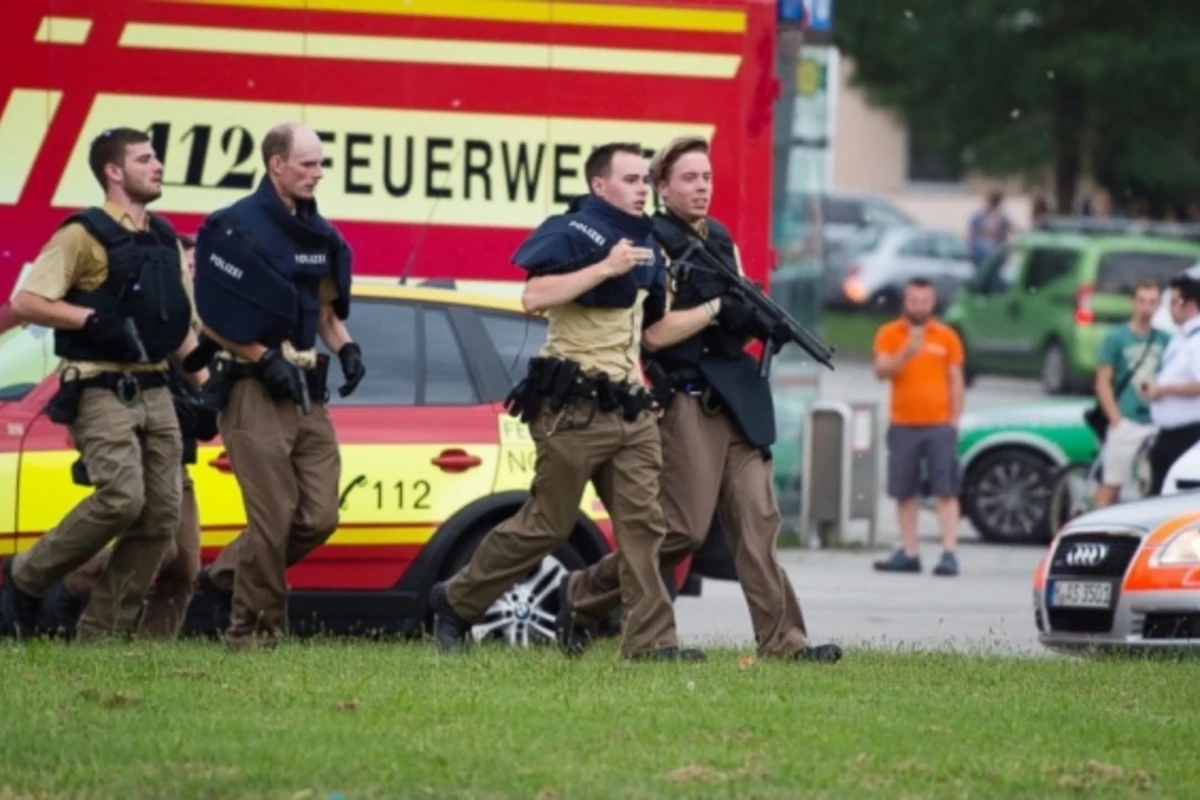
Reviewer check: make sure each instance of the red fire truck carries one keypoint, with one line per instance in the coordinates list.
(451, 127)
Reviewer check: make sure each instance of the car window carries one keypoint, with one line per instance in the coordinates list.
(951, 248)
(882, 214)
(842, 212)
(387, 333)
(26, 358)
(1000, 271)
(1120, 272)
(917, 246)
(516, 338)
(447, 378)
(1047, 265)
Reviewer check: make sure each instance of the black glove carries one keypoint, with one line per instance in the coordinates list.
(352, 368)
(197, 416)
(201, 355)
(109, 332)
(736, 315)
(282, 378)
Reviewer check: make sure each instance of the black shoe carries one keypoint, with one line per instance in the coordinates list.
(19, 611)
(670, 654)
(572, 637)
(449, 629)
(62, 612)
(826, 653)
(947, 566)
(899, 561)
(222, 601)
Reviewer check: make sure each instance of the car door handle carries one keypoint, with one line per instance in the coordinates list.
(221, 463)
(455, 460)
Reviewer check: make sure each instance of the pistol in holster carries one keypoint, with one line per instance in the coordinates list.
(662, 385)
(63, 407)
(217, 389)
(318, 380)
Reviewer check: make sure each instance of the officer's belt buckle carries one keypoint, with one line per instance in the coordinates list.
(127, 389)
(710, 403)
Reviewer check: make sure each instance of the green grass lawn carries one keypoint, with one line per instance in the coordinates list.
(354, 720)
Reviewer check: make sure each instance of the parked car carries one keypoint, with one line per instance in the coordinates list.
(1011, 459)
(430, 462)
(1123, 577)
(868, 270)
(815, 224)
(1042, 304)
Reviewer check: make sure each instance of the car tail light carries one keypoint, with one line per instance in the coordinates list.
(853, 286)
(1083, 305)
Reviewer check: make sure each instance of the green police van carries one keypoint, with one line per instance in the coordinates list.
(1042, 303)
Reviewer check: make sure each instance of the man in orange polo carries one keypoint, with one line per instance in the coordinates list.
(923, 360)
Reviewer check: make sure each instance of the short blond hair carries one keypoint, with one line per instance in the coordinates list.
(664, 159)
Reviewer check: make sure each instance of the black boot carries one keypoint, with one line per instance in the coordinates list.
(19, 611)
(222, 601)
(826, 653)
(62, 611)
(449, 629)
(572, 637)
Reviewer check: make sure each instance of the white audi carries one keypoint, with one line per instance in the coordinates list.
(1123, 577)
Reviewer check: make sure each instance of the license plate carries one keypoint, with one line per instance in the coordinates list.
(1081, 594)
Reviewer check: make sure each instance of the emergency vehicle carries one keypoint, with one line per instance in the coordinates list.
(451, 129)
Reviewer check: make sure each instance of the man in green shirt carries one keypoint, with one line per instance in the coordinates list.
(1129, 356)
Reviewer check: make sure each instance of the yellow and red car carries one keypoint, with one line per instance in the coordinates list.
(430, 462)
(1123, 577)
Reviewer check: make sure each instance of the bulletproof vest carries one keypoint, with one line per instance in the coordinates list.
(259, 270)
(144, 285)
(584, 236)
(714, 355)
(692, 287)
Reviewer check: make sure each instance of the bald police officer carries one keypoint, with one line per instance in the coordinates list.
(113, 284)
(273, 275)
(597, 275)
(717, 430)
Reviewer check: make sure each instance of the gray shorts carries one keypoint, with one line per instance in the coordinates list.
(922, 451)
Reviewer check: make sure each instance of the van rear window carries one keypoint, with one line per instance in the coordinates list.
(1121, 272)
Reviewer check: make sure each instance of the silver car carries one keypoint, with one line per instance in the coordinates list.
(868, 270)
(1125, 577)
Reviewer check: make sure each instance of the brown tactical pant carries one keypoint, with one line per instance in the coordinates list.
(132, 454)
(167, 604)
(628, 456)
(707, 467)
(288, 467)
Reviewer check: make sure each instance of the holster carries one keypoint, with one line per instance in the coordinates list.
(662, 385)
(217, 388)
(317, 379)
(63, 407)
(556, 382)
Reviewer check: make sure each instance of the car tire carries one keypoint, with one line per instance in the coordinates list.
(885, 302)
(1008, 496)
(1055, 375)
(518, 616)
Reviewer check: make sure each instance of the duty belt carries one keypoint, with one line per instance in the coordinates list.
(558, 382)
(127, 386)
(315, 378)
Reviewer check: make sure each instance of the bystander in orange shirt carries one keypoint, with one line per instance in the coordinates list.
(921, 388)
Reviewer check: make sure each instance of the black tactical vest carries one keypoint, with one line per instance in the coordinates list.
(691, 288)
(714, 356)
(144, 284)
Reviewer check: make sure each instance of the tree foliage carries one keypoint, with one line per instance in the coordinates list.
(1019, 87)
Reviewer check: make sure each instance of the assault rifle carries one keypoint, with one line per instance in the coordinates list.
(685, 247)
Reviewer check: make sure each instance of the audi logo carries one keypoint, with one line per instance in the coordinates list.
(1088, 554)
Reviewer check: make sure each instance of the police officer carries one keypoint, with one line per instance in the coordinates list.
(112, 282)
(273, 275)
(174, 584)
(591, 271)
(717, 430)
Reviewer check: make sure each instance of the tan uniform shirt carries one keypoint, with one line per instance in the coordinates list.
(73, 259)
(605, 340)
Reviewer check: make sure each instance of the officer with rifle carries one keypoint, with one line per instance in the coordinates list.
(113, 284)
(273, 275)
(597, 275)
(719, 419)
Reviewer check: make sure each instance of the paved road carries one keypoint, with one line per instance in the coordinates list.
(987, 607)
